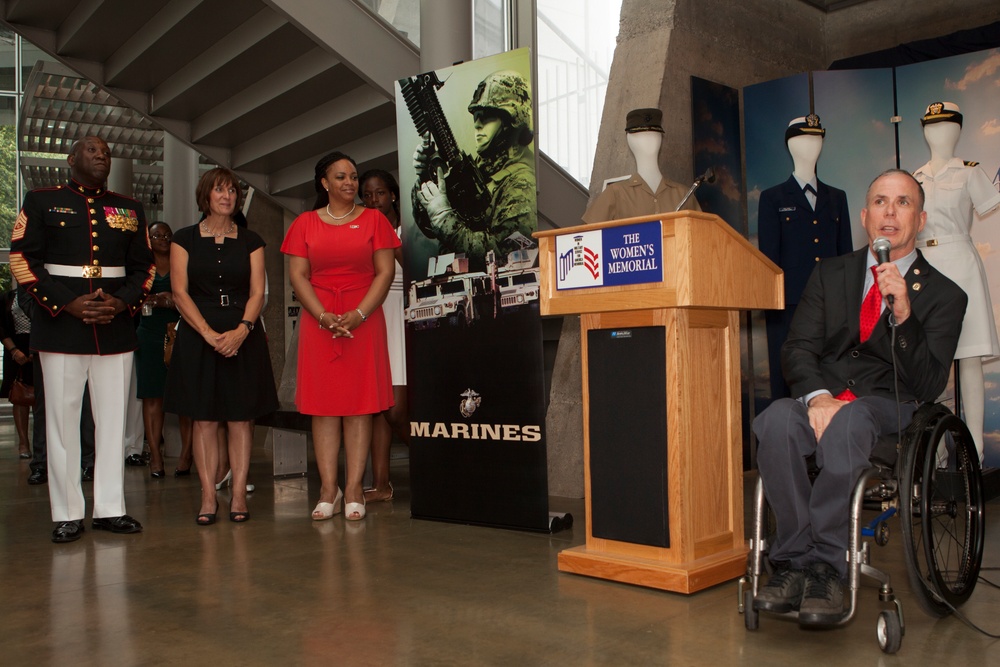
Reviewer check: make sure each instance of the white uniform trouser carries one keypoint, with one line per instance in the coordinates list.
(134, 428)
(65, 376)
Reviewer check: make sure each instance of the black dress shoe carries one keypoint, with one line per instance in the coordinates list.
(67, 531)
(134, 460)
(182, 473)
(157, 474)
(823, 599)
(38, 476)
(88, 474)
(118, 524)
(783, 591)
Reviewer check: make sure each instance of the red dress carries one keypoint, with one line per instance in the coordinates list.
(341, 376)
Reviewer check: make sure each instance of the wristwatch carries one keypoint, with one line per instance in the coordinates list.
(248, 323)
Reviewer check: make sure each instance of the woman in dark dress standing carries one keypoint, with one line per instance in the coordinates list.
(157, 312)
(15, 329)
(220, 370)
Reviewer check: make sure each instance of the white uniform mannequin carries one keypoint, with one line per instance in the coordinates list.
(645, 147)
(943, 177)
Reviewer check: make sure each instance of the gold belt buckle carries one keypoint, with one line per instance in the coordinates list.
(931, 243)
(91, 271)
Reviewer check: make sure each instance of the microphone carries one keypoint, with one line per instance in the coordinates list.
(707, 177)
(881, 246)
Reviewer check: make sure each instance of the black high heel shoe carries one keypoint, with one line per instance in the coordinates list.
(182, 473)
(208, 518)
(157, 474)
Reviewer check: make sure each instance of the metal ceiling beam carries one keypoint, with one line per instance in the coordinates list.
(355, 103)
(295, 73)
(74, 23)
(372, 49)
(256, 29)
(147, 37)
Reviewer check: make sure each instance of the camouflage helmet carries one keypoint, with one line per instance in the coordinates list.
(506, 91)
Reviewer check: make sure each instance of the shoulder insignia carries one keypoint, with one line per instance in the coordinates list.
(19, 226)
(971, 163)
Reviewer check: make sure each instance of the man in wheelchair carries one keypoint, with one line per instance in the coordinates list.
(855, 315)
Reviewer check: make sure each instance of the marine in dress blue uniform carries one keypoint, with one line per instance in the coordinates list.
(796, 236)
(83, 254)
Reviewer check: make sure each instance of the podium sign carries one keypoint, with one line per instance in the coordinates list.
(626, 255)
(663, 352)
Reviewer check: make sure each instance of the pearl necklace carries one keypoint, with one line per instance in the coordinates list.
(341, 217)
(205, 229)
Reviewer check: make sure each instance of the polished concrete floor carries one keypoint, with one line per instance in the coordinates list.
(391, 590)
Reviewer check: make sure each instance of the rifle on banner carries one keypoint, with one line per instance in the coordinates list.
(465, 184)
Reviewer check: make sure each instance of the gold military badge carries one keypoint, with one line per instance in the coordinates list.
(812, 120)
(935, 108)
(124, 219)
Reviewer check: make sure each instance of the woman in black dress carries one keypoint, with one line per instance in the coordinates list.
(15, 329)
(220, 370)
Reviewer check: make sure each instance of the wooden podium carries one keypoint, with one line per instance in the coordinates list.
(709, 274)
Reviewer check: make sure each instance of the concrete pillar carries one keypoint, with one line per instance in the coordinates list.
(445, 33)
(120, 178)
(180, 176)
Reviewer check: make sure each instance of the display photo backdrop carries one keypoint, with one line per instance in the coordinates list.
(857, 108)
(474, 347)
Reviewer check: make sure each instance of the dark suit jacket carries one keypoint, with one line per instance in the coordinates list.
(823, 350)
(795, 237)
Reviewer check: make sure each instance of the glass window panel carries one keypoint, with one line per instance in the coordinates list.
(30, 54)
(8, 65)
(403, 15)
(8, 168)
(576, 43)
(491, 34)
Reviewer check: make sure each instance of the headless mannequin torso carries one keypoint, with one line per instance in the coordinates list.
(645, 147)
(805, 152)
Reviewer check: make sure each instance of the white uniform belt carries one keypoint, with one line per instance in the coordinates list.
(85, 271)
(941, 240)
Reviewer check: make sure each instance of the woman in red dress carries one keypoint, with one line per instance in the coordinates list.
(341, 264)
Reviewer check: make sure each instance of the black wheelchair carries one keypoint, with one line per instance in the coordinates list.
(931, 478)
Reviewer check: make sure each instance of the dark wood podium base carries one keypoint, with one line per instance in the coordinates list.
(676, 577)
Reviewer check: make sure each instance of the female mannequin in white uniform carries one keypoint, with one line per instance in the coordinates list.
(952, 188)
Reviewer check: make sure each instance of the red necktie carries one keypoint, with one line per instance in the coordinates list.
(871, 308)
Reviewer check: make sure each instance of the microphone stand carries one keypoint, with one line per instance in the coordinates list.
(707, 176)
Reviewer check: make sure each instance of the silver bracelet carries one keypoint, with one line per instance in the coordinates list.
(364, 318)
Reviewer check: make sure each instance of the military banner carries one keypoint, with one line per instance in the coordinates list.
(474, 351)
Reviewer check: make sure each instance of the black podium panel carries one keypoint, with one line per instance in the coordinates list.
(628, 435)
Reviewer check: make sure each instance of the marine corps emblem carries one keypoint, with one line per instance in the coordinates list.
(470, 401)
(936, 108)
(812, 120)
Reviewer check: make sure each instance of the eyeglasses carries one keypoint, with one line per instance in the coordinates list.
(159, 237)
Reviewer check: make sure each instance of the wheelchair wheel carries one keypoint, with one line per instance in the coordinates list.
(889, 631)
(751, 617)
(942, 511)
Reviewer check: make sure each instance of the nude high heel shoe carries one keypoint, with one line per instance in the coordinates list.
(355, 511)
(326, 511)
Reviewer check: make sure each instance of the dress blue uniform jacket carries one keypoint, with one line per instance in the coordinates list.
(796, 237)
(79, 226)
